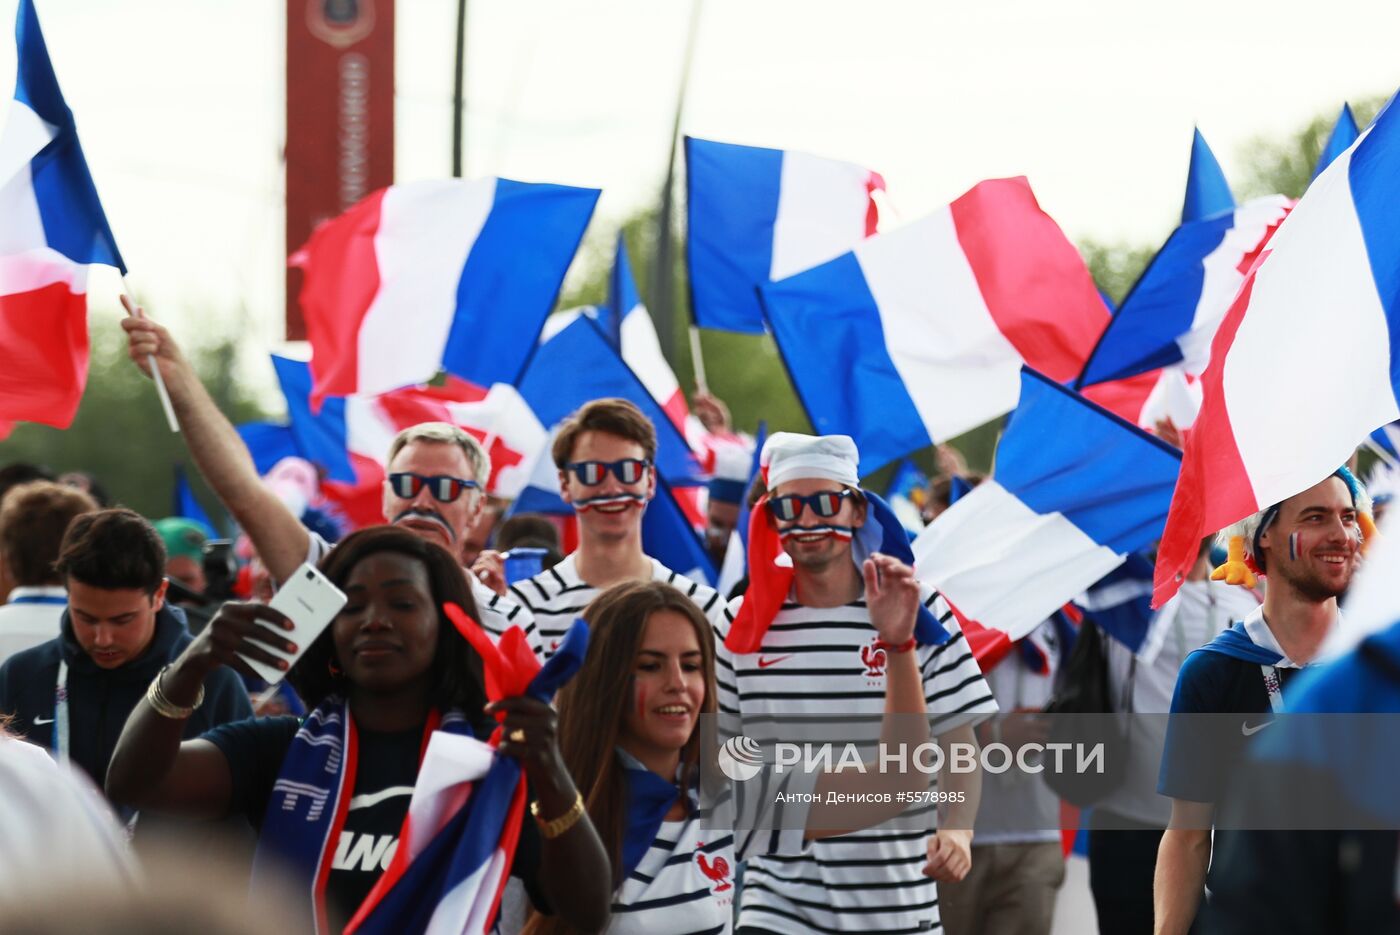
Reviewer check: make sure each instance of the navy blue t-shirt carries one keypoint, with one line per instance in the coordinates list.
(384, 778)
(1200, 752)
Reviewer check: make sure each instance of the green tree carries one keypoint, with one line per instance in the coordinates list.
(1285, 166)
(120, 434)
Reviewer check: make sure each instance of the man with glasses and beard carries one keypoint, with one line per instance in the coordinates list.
(434, 485)
(1308, 546)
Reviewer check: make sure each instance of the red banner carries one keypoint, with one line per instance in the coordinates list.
(340, 116)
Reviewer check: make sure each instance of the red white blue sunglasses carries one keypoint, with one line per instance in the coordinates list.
(592, 473)
(826, 503)
(442, 488)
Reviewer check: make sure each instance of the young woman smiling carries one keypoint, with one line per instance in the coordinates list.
(329, 794)
(628, 734)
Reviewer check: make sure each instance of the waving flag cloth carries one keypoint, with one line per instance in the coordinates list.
(736, 553)
(452, 274)
(919, 334)
(1170, 317)
(463, 824)
(1207, 192)
(51, 227)
(577, 365)
(350, 436)
(1075, 489)
(786, 456)
(756, 215)
(1344, 133)
(1290, 392)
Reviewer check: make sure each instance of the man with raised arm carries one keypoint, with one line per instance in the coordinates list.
(798, 645)
(434, 485)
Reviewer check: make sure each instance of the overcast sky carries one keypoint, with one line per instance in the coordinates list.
(179, 105)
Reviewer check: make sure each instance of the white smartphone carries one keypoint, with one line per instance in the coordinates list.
(310, 601)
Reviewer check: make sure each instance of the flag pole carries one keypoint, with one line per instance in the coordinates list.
(663, 283)
(701, 384)
(161, 391)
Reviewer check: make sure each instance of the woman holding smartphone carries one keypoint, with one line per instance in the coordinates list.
(329, 794)
(628, 733)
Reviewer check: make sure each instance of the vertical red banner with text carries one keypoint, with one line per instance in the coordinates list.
(340, 116)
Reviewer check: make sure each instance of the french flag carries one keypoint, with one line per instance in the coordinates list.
(1075, 490)
(350, 436)
(1170, 316)
(919, 334)
(51, 227)
(757, 215)
(450, 274)
(1303, 367)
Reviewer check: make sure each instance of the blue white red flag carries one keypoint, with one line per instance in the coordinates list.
(1075, 489)
(758, 215)
(1387, 440)
(51, 228)
(350, 436)
(906, 494)
(1290, 393)
(1344, 133)
(919, 334)
(451, 274)
(457, 842)
(1207, 192)
(1171, 315)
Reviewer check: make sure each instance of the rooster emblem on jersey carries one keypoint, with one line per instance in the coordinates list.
(717, 872)
(874, 659)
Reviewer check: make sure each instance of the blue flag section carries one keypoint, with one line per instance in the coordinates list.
(186, 503)
(321, 437)
(731, 203)
(1344, 133)
(268, 443)
(1207, 192)
(74, 223)
(1121, 602)
(623, 297)
(1062, 454)
(577, 365)
(489, 341)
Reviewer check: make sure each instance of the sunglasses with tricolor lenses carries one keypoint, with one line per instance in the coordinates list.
(825, 503)
(592, 473)
(441, 487)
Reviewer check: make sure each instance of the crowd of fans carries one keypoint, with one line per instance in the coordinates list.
(133, 727)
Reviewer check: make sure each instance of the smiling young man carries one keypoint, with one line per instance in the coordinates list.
(73, 693)
(436, 475)
(1308, 546)
(604, 454)
(806, 650)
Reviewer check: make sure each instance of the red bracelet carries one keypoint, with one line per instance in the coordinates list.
(890, 647)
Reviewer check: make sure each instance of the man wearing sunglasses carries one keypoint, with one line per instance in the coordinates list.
(434, 484)
(800, 644)
(604, 453)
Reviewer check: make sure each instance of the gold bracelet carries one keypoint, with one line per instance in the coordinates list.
(556, 827)
(164, 706)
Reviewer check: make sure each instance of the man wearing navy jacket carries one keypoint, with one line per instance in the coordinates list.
(72, 694)
(1308, 546)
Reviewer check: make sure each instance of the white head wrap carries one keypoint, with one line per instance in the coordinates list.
(790, 456)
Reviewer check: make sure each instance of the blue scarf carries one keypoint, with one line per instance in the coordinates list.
(1236, 644)
(309, 800)
(649, 798)
(883, 532)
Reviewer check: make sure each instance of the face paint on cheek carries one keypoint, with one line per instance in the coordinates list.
(1293, 547)
(641, 700)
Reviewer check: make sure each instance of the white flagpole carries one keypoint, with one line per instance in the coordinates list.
(701, 384)
(161, 391)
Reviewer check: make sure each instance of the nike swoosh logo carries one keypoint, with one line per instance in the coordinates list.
(41, 721)
(1251, 731)
(765, 663)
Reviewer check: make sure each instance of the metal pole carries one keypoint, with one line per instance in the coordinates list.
(459, 104)
(663, 280)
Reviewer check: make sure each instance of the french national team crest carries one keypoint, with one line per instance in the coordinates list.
(874, 659)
